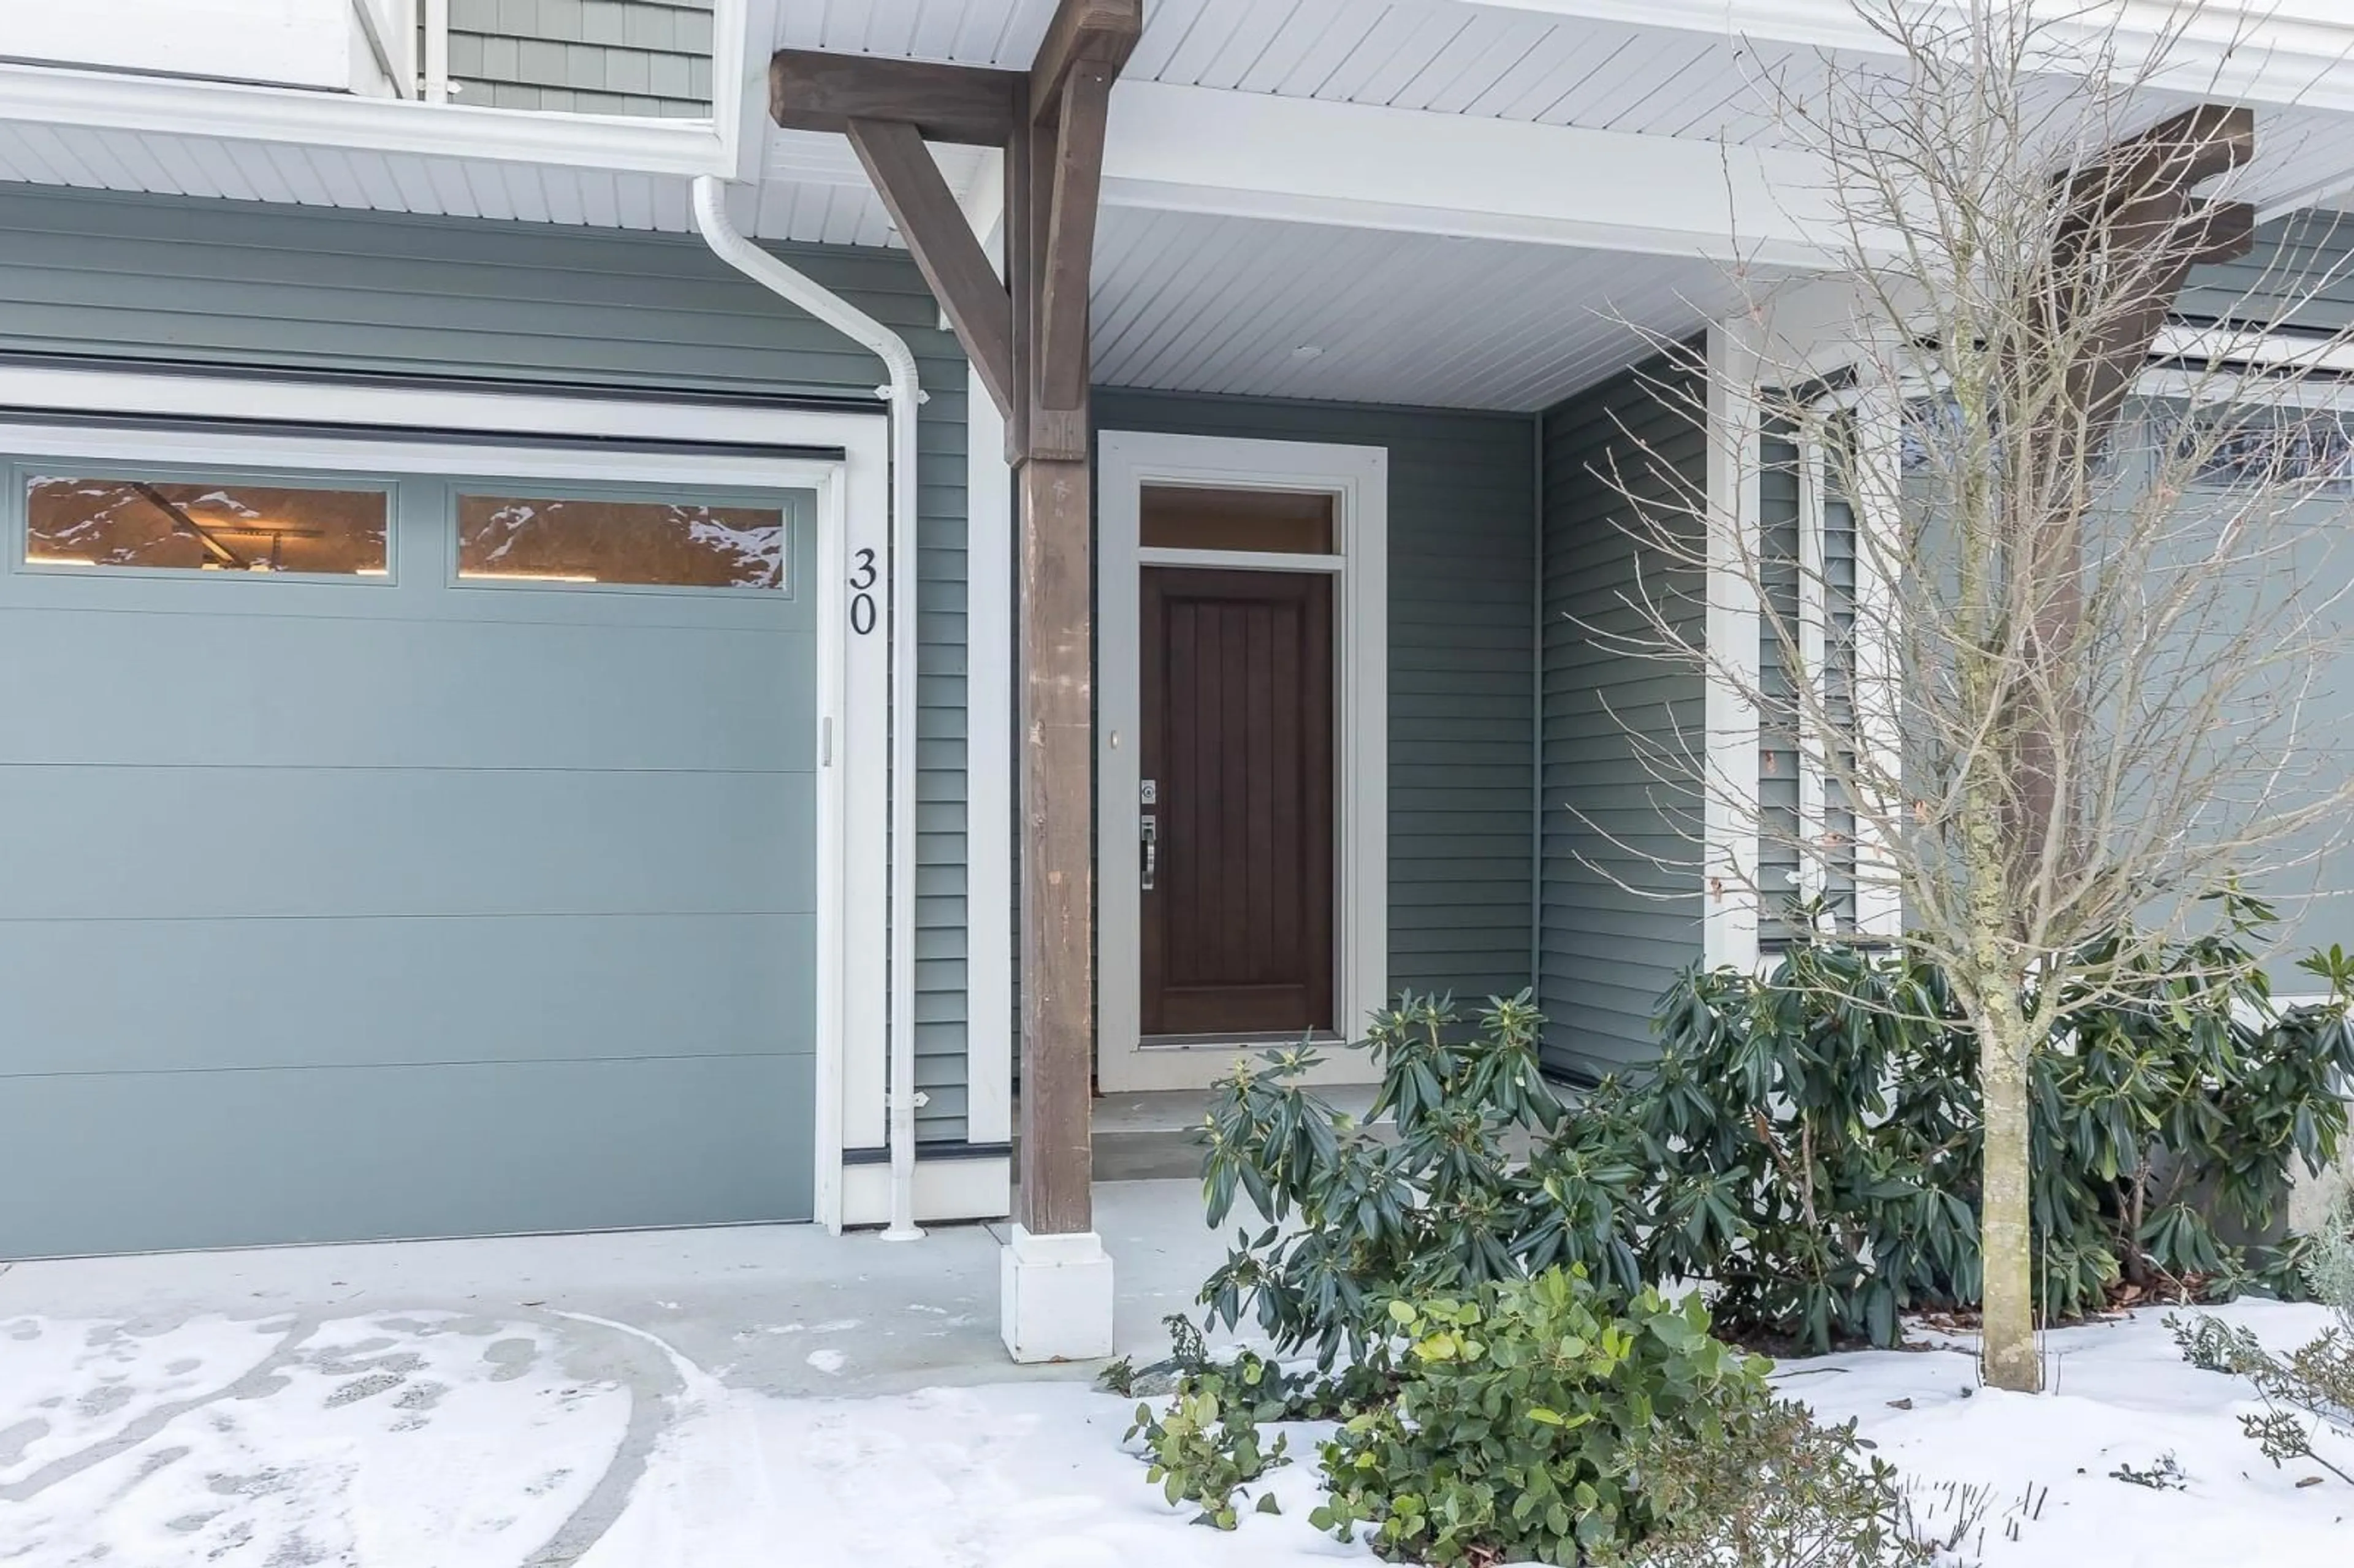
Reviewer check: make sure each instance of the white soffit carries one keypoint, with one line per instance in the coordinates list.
(160, 164)
(812, 188)
(1192, 303)
(1438, 54)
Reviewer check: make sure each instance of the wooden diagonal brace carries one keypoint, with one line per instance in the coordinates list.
(945, 248)
(2186, 150)
(2221, 231)
(1068, 265)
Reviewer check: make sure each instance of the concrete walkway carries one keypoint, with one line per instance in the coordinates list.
(753, 1304)
(501, 1402)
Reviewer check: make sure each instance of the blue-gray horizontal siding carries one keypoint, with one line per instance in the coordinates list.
(1621, 901)
(2300, 276)
(584, 57)
(234, 285)
(1462, 680)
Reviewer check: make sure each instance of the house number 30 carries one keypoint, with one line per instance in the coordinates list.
(862, 594)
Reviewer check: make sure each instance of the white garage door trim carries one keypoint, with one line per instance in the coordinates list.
(853, 695)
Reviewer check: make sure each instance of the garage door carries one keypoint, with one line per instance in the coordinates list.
(401, 856)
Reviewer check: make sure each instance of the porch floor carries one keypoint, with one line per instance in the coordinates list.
(1149, 1136)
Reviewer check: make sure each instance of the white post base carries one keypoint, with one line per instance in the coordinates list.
(1057, 1297)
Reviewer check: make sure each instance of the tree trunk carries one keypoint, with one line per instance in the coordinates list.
(2008, 1354)
(1991, 986)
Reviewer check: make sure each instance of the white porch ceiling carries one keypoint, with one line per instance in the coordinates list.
(1209, 298)
(1183, 301)
(1443, 56)
(1198, 303)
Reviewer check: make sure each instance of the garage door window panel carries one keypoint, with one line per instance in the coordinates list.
(537, 539)
(113, 520)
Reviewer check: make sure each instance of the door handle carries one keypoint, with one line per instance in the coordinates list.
(1149, 830)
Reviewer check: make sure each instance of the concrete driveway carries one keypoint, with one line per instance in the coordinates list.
(501, 1403)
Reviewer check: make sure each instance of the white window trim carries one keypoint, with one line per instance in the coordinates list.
(1729, 864)
(1240, 560)
(1814, 649)
(852, 511)
(1358, 477)
(1731, 895)
(1879, 904)
(1880, 442)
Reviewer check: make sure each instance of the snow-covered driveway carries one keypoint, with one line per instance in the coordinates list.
(756, 1397)
(440, 1440)
(753, 1399)
(402, 1439)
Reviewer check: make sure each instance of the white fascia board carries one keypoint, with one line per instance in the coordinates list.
(2329, 355)
(45, 95)
(1193, 149)
(740, 31)
(2280, 52)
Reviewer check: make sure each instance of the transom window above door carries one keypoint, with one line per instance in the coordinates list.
(1271, 522)
(121, 520)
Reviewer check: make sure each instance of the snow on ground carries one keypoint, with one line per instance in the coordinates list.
(520, 1439)
(417, 1439)
(2119, 1395)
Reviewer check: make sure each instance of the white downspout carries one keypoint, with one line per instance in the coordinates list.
(905, 395)
(436, 51)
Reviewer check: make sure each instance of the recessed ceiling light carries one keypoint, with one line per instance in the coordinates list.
(1306, 351)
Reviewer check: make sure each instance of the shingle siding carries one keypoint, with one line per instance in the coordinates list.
(1621, 893)
(228, 285)
(646, 57)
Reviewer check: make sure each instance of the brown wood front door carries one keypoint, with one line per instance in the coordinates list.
(1237, 681)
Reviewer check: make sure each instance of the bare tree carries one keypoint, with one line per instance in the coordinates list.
(2040, 638)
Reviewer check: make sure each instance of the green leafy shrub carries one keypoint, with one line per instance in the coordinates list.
(1205, 1446)
(1441, 1201)
(2307, 1394)
(1832, 1108)
(1546, 1420)
(1808, 1141)
(1816, 1144)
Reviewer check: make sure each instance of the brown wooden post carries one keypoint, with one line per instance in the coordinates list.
(1054, 505)
(2136, 209)
(1029, 342)
(1055, 167)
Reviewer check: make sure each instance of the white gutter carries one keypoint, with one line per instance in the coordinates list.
(2289, 53)
(54, 97)
(90, 97)
(905, 395)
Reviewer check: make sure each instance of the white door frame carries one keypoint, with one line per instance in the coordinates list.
(379, 428)
(1358, 479)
